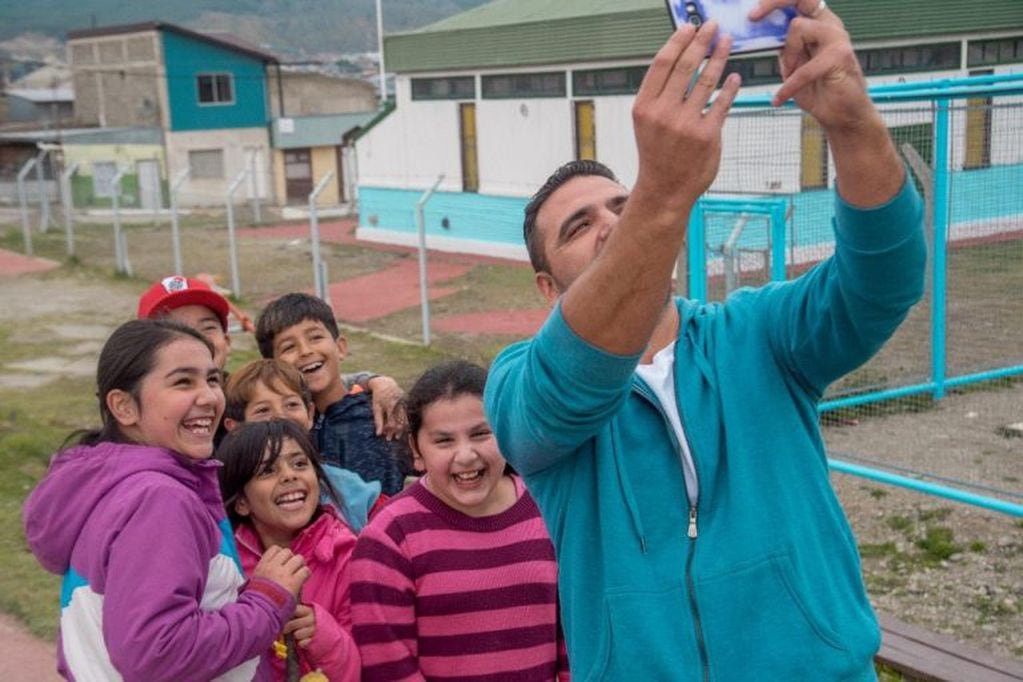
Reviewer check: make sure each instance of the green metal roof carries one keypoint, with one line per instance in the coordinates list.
(318, 131)
(507, 33)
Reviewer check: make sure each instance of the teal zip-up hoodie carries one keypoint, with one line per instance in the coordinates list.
(759, 578)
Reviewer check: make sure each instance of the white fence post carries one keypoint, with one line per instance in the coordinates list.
(319, 278)
(69, 206)
(120, 243)
(424, 293)
(26, 229)
(236, 287)
(254, 185)
(175, 225)
(44, 200)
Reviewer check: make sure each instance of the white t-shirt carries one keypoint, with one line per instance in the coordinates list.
(659, 375)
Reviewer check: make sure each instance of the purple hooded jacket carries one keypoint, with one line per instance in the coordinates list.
(153, 588)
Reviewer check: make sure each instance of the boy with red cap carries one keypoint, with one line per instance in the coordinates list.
(196, 304)
(193, 303)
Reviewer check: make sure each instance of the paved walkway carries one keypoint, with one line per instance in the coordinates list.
(382, 293)
(24, 657)
(13, 264)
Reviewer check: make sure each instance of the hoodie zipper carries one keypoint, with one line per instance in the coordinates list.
(692, 531)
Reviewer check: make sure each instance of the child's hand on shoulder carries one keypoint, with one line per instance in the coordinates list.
(387, 417)
(302, 625)
(283, 567)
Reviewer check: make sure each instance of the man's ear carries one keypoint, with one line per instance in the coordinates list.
(231, 424)
(342, 347)
(547, 287)
(123, 407)
(241, 506)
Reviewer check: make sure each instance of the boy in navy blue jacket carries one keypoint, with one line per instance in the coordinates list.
(300, 330)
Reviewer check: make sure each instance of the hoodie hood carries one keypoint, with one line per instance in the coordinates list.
(80, 478)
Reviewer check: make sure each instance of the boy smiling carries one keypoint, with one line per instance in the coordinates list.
(300, 330)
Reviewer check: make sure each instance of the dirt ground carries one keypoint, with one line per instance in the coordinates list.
(942, 565)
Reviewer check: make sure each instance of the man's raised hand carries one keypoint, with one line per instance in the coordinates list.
(678, 129)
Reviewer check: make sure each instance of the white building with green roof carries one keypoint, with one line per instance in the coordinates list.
(495, 98)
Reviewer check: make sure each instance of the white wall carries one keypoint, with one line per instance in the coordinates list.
(520, 141)
(236, 144)
(413, 145)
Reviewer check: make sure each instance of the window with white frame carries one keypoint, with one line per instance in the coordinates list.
(206, 164)
(215, 88)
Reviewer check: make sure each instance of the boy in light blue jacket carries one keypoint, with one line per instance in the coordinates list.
(672, 446)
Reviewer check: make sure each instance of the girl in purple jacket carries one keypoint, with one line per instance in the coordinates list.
(132, 518)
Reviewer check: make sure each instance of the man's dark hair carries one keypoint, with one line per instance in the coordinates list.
(534, 244)
(287, 311)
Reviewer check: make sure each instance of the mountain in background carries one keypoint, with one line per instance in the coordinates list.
(290, 28)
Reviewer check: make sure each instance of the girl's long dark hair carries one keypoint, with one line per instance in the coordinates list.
(246, 450)
(127, 357)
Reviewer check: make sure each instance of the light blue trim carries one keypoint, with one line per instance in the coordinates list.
(72, 581)
(927, 488)
(480, 217)
(227, 545)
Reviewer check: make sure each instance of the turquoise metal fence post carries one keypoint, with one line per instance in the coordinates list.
(939, 302)
(697, 254)
(778, 238)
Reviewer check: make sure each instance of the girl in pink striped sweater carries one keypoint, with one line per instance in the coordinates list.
(456, 577)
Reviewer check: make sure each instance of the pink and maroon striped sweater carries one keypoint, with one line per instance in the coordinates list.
(439, 595)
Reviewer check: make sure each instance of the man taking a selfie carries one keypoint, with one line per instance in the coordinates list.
(673, 446)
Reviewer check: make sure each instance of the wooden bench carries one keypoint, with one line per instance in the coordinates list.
(919, 654)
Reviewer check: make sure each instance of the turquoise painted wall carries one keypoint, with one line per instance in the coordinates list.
(480, 217)
(977, 195)
(186, 58)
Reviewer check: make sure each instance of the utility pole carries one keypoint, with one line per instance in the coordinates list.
(380, 51)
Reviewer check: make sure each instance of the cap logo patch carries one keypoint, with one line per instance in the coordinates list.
(174, 284)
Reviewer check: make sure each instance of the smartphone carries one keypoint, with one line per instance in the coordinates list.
(747, 36)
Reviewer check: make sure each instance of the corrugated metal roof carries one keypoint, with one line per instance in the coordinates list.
(71, 136)
(318, 131)
(507, 33)
(65, 94)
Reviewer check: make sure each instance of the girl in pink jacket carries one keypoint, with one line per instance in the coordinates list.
(271, 482)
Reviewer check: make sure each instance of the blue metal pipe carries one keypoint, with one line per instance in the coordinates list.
(958, 89)
(942, 197)
(697, 255)
(990, 503)
(990, 375)
(915, 389)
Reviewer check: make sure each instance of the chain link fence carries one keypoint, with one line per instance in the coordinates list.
(966, 157)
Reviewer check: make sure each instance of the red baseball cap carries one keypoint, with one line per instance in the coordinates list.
(176, 292)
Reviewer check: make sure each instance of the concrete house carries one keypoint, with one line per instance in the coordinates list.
(206, 96)
(310, 137)
(497, 97)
